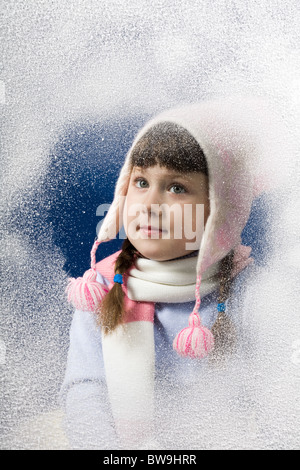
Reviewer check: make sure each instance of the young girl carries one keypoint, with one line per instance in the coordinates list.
(166, 306)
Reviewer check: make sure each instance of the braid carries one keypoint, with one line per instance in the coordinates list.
(111, 310)
(223, 329)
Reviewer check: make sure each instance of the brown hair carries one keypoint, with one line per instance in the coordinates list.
(170, 146)
(223, 329)
(111, 310)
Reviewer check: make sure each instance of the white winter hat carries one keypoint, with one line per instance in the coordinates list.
(224, 133)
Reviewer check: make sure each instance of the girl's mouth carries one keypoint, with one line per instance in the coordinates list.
(151, 232)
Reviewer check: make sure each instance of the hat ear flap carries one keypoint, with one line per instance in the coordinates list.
(113, 221)
(85, 293)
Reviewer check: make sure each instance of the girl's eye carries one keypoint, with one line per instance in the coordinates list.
(177, 189)
(141, 183)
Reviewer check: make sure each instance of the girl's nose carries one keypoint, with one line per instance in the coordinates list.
(151, 201)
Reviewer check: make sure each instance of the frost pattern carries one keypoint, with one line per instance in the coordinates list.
(67, 63)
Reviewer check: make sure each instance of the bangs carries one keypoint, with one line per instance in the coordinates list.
(171, 146)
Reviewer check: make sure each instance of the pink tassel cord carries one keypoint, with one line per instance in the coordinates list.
(85, 293)
(195, 341)
(93, 254)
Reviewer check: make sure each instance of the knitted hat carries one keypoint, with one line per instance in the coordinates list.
(227, 133)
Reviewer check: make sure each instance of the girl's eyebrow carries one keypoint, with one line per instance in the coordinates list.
(180, 175)
(177, 176)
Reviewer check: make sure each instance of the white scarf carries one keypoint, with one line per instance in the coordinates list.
(169, 281)
(128, 352)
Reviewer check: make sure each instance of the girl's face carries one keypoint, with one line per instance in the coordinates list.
(165, 212)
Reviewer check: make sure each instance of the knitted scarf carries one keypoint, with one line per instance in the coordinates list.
(169, 281)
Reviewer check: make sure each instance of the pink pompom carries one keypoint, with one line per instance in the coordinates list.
(85, 292)
(195, 341)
